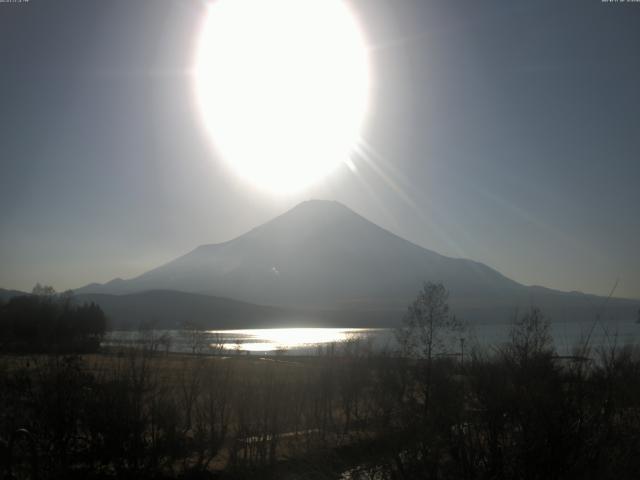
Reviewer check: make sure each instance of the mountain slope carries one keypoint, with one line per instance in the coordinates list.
(5, 295)
(166, 309)
(321, 254)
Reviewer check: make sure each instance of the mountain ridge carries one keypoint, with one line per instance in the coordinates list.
(322, 255)
(293, 230)
(168, 309)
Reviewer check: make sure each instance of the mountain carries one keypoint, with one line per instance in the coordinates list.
(5, 295)
(166, 309)
(322, 255)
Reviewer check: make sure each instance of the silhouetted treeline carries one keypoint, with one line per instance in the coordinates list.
(351, 412)
(50, 322)
(513, 414)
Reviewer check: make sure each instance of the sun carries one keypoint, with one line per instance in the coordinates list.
(283, 87)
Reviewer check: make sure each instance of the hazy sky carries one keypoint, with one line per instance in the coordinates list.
(506, 132)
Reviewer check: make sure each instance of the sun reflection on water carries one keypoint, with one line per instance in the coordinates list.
(272, 339)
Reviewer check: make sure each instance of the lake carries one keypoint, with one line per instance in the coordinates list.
(306, 341)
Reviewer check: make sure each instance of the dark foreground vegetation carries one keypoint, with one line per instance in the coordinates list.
(351, 413)
(49, 322)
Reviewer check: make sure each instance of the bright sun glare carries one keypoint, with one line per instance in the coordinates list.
(283, 87)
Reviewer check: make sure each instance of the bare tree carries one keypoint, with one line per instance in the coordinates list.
(530, 336)
(43, 290)
(195, 337)
(428, 326)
